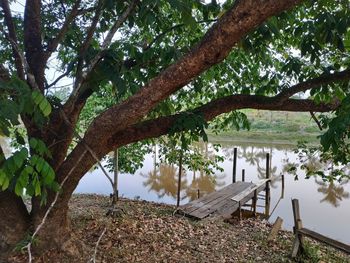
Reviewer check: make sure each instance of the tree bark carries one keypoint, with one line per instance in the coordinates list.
(14, 222)
(56, 233)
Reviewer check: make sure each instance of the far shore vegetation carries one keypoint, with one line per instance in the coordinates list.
(286, 128)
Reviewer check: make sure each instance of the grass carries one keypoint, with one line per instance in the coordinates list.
(273, 127)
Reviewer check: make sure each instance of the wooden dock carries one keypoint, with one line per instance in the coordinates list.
(224, 201)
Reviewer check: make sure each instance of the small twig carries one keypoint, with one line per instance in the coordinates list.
(85, 45)
(88, 148)
(65, 74)
(173, 28)
(18, 51)
(61, 33)
(316, 120)
(108, 40)
(97, 244)
(106, 43)
(12, 34)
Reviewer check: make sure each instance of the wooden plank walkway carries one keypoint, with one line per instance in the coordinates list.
(224, 201)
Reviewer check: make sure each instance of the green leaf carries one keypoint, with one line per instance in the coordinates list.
(33, 143)
(37, 97)
(5, 184)
(37, 189)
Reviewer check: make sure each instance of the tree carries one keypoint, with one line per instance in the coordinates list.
(155, 58)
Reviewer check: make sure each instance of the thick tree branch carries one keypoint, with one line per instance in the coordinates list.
(30, 77)
(243, 17)
(238, 21)
(161, 126)
(13, 36)
(324, 79)
(33, 42)
(55, 42)
(4, 74)
(84, 47)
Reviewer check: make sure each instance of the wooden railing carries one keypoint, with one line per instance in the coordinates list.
(300, 231)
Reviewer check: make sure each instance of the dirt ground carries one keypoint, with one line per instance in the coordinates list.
(150, 232)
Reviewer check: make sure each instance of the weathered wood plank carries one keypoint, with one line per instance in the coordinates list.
(213, 198)
(231, 206)
(216, 204)
(249, 190)
(321, 238)
(276, 227)
(220, 202)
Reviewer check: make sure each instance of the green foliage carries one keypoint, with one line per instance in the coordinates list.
(189, 127)
(17, 98)
(234, 120)
(317, 162)
(194, 157)
(27, 170)
(28, 174)
(130, 157)
(336, 138)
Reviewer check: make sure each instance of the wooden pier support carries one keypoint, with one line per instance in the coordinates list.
(298, 241)
(179, 181)
(267, 187)
(234, 165)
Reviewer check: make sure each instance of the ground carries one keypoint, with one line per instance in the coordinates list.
(150, 232)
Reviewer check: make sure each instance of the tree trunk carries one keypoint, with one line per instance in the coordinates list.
(56, 233)
(14, 222)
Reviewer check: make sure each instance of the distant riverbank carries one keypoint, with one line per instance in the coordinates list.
(286, 128)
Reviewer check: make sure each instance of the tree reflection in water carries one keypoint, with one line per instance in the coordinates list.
(205, 183)
(255, 156)
(334, 193)
(163, 180)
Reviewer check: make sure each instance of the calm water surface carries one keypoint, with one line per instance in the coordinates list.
(325, 207)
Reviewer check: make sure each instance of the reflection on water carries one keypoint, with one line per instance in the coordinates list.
(204, 183)
(334, 194)
(320, 202)
(163, 180)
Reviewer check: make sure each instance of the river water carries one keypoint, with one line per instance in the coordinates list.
(325, 207)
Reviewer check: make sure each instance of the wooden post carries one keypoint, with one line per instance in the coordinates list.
(115, 181)
(276, 227)
(243, 175)
(267, 187)
(179, 180)
(198, 193)
(240, 210)
(255, 201)
(298, 242)
(234, 168)
(282, 194)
